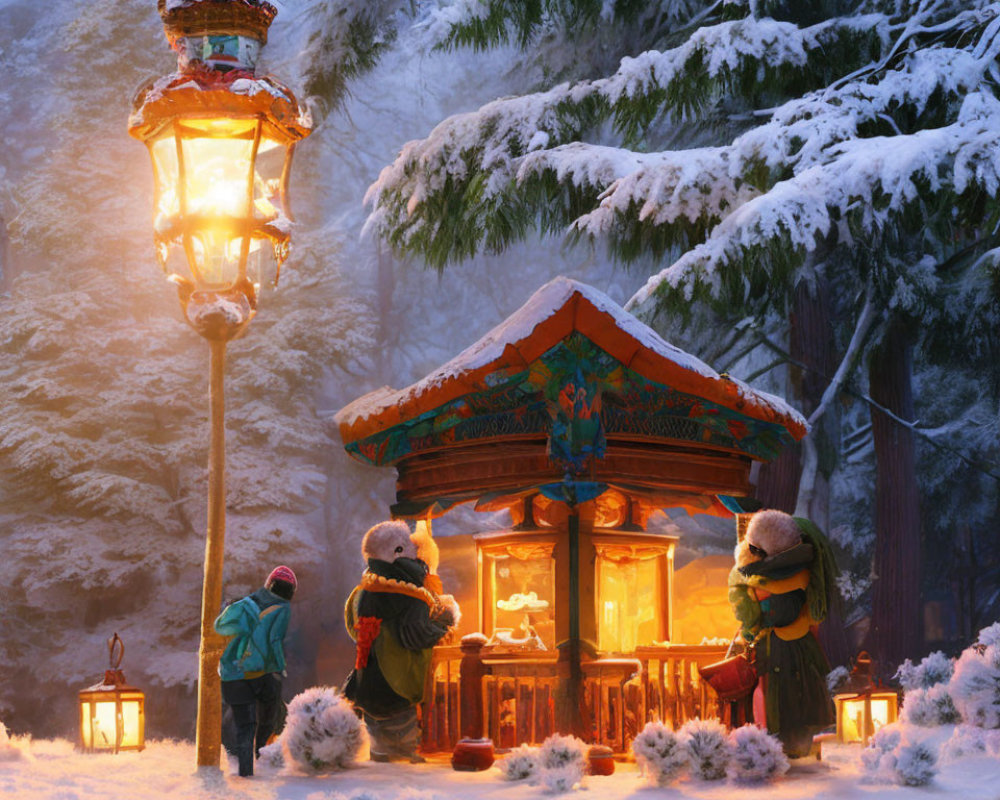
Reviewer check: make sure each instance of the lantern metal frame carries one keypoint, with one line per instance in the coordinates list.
(129, 705)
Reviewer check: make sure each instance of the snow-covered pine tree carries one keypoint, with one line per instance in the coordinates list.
(759, 148)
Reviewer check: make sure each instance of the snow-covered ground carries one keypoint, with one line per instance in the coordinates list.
(53, 770)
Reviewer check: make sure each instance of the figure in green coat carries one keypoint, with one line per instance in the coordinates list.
(779, 590)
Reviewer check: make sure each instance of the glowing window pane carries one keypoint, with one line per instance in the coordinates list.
(523, 598)
(630, 596)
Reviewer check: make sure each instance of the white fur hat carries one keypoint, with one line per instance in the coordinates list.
(388, 541)
(773, 531)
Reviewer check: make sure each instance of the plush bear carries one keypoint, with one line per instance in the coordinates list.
(779, 590)
(395, 615)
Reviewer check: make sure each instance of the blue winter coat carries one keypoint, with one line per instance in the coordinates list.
(257, 624)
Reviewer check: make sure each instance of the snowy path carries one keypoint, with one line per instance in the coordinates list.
(54, 771)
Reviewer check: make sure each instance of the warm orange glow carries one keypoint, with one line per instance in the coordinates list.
(215, 183)
(112, 719)
(860, 716)
(520, 596)
(633, 581)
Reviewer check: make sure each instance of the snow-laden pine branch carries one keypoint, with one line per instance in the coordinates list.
(475, 157)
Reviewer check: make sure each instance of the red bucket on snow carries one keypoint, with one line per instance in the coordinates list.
(472, 755)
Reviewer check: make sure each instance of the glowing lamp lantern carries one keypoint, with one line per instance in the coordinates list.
(221, 140)
(864, 707)
(112, 713)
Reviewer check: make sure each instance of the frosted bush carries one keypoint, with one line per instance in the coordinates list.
(975, 686)
(272, 756)
(562, 763)
(988, 637)
(930, 707)
(706, 744)
(322, 731)
(755, 756)
(932, 670)
(13, 749)
(659, 753)
(966, 740)
(890, 759)
(916, 764)
(519, 764)
(560, 751)
(557, 780)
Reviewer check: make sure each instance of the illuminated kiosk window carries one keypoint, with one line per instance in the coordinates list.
(633, 579)
(519, 593)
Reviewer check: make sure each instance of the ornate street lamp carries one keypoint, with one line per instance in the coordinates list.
(221, 141)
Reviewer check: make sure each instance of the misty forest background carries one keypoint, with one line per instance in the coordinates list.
(809, 188)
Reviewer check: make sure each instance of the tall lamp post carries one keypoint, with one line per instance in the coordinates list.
(221, 140)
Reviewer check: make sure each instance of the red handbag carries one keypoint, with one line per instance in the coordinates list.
(733, 678)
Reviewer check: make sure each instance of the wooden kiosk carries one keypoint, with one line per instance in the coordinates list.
(583, 423)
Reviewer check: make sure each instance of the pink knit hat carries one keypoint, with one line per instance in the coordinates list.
(282, 573)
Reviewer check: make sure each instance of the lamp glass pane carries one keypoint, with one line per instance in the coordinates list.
(85, 736)
(216, 173)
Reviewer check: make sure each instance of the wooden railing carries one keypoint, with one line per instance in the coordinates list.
(511, 697)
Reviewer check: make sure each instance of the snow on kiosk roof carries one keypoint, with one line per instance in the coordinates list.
(574, 371)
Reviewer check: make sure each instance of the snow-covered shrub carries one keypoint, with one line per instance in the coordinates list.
(659, 753)
(916, 764)
(966, 740)
(562, 763)
(975, 686)
(890, 759)
(557, 780)
(272, 756)
(988, 637)
(705, 741)
(13, 749)
(755, 756)
(322, 731)
(836, 678)
(932, 670)
(930, 707)
(519, 764)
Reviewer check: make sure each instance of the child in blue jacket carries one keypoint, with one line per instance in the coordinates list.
(253, 663)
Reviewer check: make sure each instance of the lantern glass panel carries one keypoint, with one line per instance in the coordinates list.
(882, 711)
(630, 605)
(132, 720)
(852, 719)
(521, 591)
(102, 727)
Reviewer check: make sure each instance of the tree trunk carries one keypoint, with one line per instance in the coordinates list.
(811, 344)
(895, 632)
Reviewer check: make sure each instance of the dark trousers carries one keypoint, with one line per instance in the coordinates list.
(256, 704)
(395, 735)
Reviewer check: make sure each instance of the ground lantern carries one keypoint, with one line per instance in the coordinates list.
(864, 707)
(112, 713)
(221, 140)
